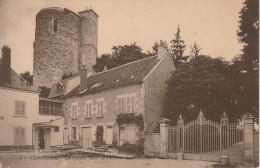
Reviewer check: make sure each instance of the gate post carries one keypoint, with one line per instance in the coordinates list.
(164, 141)
(248, 160)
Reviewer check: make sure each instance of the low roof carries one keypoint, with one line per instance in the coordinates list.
(127, 74)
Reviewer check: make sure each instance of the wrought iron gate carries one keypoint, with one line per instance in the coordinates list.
(203, 136)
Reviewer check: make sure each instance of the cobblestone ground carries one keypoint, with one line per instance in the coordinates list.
(12, 160)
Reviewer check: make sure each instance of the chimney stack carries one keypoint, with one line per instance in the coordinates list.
(5, 76)
(161, 50)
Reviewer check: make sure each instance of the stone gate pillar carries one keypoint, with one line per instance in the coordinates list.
(164, 125)
(248, 160)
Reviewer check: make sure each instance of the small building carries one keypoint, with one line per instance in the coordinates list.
(91, 108)
(26, 121)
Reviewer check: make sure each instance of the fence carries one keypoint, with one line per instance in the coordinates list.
(204, 139)
(203, 136)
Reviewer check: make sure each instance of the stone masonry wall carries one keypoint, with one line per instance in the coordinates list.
(55, 53)
(89, 38)
(155, 88)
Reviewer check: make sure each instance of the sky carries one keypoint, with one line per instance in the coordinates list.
(213, 24)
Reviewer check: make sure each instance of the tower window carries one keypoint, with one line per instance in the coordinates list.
(55, 25)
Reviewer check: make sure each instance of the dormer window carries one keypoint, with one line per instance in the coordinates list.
(55, 25)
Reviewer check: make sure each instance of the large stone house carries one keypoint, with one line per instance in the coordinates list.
(26, 121)
(91, 108)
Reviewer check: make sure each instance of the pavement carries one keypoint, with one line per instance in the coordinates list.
(105, 154)
(82, 158)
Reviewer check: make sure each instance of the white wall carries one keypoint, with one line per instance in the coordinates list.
(8, 120)
(7, 111)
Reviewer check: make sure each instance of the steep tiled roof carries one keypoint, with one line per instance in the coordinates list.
(128, 74)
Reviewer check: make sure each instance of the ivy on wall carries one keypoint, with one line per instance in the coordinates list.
(130, 118)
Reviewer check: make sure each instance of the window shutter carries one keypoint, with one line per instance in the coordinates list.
(93, 131)
(71, 112)
(90, 109)
(118, 105)
(22, 136)
(16, 136)
(22, 108)
(77, 110)
(17, 107)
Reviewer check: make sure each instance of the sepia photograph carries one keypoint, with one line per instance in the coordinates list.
(129, 83)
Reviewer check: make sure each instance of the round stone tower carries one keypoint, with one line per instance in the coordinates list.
(56, 45)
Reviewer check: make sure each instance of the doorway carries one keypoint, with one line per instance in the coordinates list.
(66, 136)
(99, 136)
(41, 139)
(86, 136)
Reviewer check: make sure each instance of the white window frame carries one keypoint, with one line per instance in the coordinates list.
(88, 108)
(100, 107)
(21, 105)
(74, 110)
(126, 103)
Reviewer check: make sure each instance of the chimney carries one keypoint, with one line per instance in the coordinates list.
(5, 76)
(161, 50)
(83, 78)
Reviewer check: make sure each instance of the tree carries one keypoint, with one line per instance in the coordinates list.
(27, 76)
(200, 84)
(120, 55)
(177, 48)
(44, 92)
(246, 65)
(195, 49)
(248, 34)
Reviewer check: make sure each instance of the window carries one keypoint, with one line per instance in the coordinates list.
(50, 107)
(126, 104)
(19, 138)
(100, 104)
(55, 25)
(74, 111)
(56, 129)
(74, 133)
(88, 108)
(20, 108)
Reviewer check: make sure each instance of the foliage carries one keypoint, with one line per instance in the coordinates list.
(195, 49)
(27, 76)
(245, 66)
(44, 91)
(248, 34)
(177, 48)
(120, 55)
(67, 75)
(130, 118)
(6, 49)
(201, 84)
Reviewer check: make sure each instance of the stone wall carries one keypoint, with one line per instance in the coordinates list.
(55, 53)
(155, 88)
(256, 149)
(110, 110)
(89, 40)
(152, 144)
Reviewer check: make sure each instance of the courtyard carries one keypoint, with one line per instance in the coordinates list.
(80, 160)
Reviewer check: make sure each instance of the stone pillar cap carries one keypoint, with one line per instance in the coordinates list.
(248, 115)
(164, 120)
